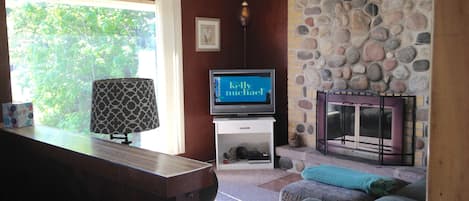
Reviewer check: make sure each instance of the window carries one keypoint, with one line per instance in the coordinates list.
(58, 48)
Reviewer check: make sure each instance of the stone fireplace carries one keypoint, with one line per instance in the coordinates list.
(366, 126)
(382, 46)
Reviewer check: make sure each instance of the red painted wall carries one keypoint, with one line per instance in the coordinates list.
(267, 48)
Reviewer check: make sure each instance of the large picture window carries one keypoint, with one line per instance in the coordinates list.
(58, 48)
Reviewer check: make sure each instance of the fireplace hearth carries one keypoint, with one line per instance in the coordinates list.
(378, 128)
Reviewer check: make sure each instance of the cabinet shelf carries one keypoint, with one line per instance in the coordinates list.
(245, 164)
(243, 133)
(255, 134)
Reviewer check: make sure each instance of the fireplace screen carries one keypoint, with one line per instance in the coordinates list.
(365, 127)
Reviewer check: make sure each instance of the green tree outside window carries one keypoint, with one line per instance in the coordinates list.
(58, 50)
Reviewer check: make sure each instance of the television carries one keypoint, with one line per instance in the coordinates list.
(242, 92)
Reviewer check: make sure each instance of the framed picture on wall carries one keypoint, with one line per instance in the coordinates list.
(207, 34)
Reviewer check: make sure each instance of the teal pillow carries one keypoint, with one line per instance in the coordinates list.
(351, 179)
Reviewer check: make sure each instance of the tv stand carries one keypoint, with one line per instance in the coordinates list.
(252, 133)
(243, 118)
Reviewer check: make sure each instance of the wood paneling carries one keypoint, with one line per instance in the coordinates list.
(267, 47)
(267, 44)
(199, 129)
(5, 89)
(449, 136)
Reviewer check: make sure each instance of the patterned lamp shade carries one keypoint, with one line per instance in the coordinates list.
(123, 106)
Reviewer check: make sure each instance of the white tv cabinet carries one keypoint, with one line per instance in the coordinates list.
(254, 133)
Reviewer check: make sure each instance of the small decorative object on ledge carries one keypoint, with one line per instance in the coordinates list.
(17, 115)
(294, 140)
(123, 106)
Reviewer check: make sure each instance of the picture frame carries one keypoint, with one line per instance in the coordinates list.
(207, 34)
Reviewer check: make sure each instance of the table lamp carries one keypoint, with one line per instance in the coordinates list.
(122, 106)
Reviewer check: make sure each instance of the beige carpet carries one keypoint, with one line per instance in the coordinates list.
(252, 185)
(277, 184)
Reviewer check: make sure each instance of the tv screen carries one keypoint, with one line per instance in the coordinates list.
(242, 91)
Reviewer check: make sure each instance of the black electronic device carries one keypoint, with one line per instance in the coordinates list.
(258, 157)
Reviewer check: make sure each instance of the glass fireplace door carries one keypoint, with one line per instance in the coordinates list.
(341, 124)
(369, 130)
(356, 126)
(377, 128)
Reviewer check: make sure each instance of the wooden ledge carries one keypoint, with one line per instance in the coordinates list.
(160, 174)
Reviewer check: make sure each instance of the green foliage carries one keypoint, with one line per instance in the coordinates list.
(61, 49)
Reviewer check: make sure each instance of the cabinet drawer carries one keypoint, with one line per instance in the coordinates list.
(244, 127)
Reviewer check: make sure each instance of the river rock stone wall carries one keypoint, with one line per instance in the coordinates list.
(379, 45)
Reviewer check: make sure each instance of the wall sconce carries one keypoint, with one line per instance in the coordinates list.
(244, 15)
(244, 18)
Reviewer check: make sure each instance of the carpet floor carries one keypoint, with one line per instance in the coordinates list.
(252, 185)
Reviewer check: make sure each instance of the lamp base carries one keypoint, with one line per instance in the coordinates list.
(126, 140)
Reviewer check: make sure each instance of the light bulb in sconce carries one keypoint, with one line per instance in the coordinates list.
(245, 15)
